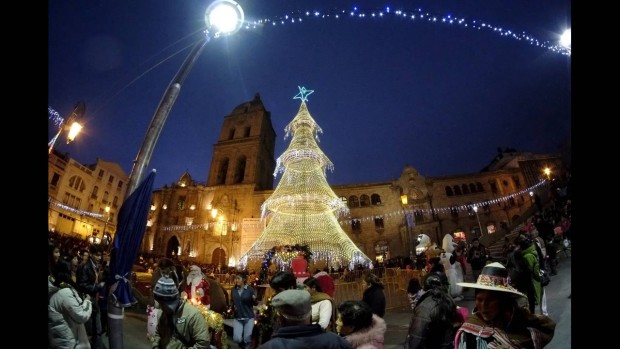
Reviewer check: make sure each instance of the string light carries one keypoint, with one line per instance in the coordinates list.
(54, 202)
(445, 210)
(54, 116)
(411, 15)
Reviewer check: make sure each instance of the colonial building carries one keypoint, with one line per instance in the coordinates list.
(83, 200)
(218, 220)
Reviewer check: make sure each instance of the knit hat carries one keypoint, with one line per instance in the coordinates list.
(293, 304)
(165, 290)
(493, 277)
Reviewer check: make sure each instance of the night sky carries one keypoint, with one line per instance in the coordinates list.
(389, 90)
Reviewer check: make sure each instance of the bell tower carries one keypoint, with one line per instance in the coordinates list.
(244, 153)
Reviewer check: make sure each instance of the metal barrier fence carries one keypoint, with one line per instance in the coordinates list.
(395, 282)
(351, 286)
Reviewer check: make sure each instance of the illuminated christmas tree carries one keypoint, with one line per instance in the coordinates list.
(303, 209)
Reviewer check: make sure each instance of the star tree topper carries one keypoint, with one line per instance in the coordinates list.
(303, 94)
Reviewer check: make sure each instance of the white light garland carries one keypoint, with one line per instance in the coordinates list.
(444, 210)
(57, 203)
(297, 16)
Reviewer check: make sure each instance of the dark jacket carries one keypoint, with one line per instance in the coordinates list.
(305, 337)
(86, 276)
(434, 322)
(375, 298)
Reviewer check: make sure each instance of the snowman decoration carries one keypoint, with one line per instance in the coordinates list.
(452, 267)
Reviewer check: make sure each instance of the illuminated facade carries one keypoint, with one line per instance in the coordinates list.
(240, 181)
(83, 200)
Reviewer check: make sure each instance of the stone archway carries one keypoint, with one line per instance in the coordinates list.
(172, 246)
(219, 257)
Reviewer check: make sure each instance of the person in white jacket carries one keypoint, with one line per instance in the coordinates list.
(323, 310)
(67, 311)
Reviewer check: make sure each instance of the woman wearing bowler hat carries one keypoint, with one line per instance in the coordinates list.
(497, 320)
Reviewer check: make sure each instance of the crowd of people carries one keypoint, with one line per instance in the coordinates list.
(509, 304)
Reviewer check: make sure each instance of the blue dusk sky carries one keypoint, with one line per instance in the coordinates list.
(438, 85)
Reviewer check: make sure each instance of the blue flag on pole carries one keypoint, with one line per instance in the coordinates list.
(132, 219)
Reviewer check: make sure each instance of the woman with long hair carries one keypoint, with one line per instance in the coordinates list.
(374, 295)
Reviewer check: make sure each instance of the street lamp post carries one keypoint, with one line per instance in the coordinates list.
(105, 224)
(226, 16)
(404, 200)
(478, 218)
(70, 124)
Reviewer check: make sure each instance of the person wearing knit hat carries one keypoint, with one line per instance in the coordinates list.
(179, 324)
(296, 331)
(497, 319)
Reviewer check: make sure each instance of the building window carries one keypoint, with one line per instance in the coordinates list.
(105, 197)
(246, 132)
(55, 179)
(493, 187)
(94, 194)
(379, 224)
(356, 226)
(457, 190)
(221, 174)
(449, 191)
(181, 203)
(465, 189)
(511, 202)
(375, 199)
(231, 133)
(354, 201)
(472, 187)
(418, 215)
(517, 182)
(454, 212)
(111, 179)
(120, 185)
(77, 183)
(479, 187)
(100, 174)
(240, 170)
(364, 200)
(115, 201)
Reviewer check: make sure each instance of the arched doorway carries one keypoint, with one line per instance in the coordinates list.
(172, 246)
(219, 257)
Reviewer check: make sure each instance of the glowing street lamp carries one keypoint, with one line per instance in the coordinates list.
(71, 124)
(565, 39)
(222, 17)
(547, 172)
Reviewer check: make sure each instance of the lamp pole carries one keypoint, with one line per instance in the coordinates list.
(404, 200)
(226, 17)
(478, 218)
(105, 224)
